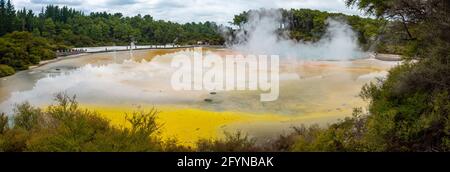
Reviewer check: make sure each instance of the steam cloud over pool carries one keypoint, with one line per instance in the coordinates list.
(125, 82)
(260, 35)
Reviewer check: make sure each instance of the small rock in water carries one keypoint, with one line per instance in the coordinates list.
(57, 69)
(208, 100)
(213, 93)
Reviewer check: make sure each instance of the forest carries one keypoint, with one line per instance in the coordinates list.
(67, 26)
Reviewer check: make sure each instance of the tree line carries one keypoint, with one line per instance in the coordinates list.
(71, 27)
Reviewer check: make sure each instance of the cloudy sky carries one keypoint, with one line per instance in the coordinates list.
(220, 11)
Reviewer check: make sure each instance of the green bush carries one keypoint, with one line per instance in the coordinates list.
(410, 110)
(233, 142)
(21, 49)
(3, 123)
(6, 70)
(65, 127)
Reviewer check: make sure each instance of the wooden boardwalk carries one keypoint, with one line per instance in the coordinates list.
(91, 50)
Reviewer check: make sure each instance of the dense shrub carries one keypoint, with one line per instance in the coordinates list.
(410, 110)
(66, 127)
(21, 49)
(233, 142)
(6, 70)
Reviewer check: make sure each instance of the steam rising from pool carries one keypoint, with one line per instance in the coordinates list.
(260, 35)
(129, 82)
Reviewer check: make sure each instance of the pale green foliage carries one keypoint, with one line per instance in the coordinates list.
(66, 127)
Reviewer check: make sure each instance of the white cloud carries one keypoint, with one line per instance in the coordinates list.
(59, 2)
(220, 11)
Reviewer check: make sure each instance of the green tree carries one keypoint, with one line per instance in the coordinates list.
(3, 17)
(10, 17)
(49, 28)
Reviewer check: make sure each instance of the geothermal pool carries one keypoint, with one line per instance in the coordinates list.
(116, 83)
